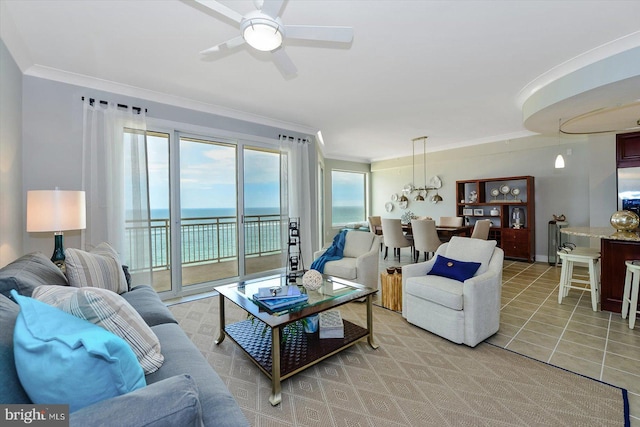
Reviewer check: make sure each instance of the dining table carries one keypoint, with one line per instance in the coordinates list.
(444, 233)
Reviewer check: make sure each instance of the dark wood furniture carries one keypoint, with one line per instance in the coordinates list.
(628, 150)
(261, 335)
(614, 253)
(517, 243)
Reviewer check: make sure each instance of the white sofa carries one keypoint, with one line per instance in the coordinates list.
(463, 312)
(360, 259)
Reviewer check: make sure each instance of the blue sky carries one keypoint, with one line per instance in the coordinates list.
(208, 176)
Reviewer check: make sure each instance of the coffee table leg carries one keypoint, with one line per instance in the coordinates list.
(370, 338)
(221, 333)
(276, 395)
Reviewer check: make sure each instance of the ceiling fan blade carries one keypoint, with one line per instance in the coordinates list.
(221, 9)
(284, 63)
(272, 7)
(229, 44)
(310, 32)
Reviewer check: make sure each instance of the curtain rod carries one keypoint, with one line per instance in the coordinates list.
(137, 109)
(291, 138)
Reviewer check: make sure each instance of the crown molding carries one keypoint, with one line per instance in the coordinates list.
(81, 80)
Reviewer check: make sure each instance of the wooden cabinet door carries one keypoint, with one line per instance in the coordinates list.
(516, 243)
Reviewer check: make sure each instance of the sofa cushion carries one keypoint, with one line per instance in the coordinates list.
(453, 269)
(28, 272)
(182, 357)
(170, 402)
(357, 243)
(110, 311)
(437, 289)
(345, 267)
(149, 305)
(99, 268)
(63, 359)
(11, 390)
(475, 250)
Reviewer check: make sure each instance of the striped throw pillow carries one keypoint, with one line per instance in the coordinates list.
(99, 268)
(110, 311)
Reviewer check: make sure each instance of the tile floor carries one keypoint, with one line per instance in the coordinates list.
(570, 335)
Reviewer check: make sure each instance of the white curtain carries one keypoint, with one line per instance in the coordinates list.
(114, 176)
(295, 193)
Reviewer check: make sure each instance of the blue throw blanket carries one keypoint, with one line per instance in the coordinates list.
(333, 253)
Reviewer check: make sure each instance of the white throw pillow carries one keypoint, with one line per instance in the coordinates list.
(99, 268)
(110, 311)
(471, 250)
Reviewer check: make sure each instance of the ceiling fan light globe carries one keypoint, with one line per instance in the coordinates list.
(262, 34)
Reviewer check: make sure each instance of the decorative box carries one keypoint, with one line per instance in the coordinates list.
(331, 325)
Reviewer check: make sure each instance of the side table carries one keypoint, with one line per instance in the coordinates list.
(391, 290)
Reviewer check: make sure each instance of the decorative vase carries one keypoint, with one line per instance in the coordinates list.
(625, 220)
(312, 280)
(311, 323)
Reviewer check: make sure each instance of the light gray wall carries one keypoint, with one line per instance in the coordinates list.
(584, 190)
(52, 140)
(12, 222)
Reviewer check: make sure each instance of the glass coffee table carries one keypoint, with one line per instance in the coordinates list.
(278, 357)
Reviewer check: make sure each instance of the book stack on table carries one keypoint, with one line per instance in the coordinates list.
(274, 298)
(331, 325)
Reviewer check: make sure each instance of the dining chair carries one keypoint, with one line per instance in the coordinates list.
(393, 236)
(481, 229)
(450, 221)
(375, 226)
(425, 238)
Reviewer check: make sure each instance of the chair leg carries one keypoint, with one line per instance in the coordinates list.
(626, 294)
(594, 285)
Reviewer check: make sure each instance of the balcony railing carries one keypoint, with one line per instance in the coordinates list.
(210, 239)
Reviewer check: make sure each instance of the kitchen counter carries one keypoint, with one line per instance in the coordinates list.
(615, 248)
(602, 233)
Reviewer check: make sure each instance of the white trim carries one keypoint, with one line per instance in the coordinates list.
(592, 56)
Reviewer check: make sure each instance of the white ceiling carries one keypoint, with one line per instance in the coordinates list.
(456, 71)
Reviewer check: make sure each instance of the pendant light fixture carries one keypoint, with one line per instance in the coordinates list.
(419, 197)
(559, 164)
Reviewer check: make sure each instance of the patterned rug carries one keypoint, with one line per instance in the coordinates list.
(413, 379)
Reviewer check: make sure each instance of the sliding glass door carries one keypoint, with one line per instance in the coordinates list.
(208, 230)
(261, 216)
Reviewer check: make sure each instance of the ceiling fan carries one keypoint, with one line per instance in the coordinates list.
(263, 30)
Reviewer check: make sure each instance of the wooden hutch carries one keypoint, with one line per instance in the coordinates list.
(509, 203)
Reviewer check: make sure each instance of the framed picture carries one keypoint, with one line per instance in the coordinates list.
(478, 212)
(467, 212)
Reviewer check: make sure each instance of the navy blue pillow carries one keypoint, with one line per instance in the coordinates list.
(453, 269)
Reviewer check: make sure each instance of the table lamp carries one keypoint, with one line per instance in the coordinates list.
(57, 211)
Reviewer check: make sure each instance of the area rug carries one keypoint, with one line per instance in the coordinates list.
(413, 379)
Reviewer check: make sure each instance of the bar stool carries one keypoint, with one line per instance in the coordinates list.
(631, 288)
(580, 255)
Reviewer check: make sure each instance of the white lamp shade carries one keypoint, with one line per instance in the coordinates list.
(56, 210)
(559, 162)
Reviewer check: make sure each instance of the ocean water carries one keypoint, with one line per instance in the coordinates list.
(210, 234)
(347, 214)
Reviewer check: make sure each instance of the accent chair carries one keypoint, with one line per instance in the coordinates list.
(465, 312)
(360, 259)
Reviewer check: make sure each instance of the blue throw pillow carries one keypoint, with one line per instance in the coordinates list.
(66, 360)
(453, 269)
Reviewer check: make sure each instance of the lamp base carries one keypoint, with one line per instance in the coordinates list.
(58, 251)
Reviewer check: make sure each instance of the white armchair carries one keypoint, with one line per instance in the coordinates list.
(360, 259)
(463, 312)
